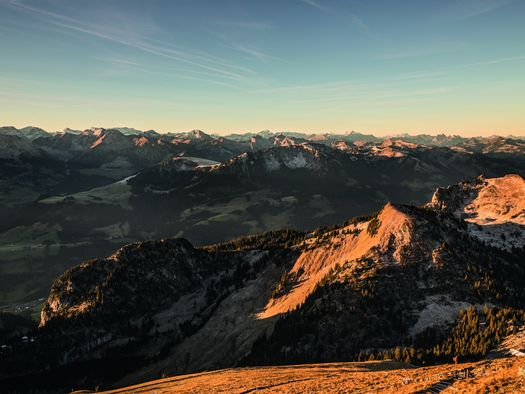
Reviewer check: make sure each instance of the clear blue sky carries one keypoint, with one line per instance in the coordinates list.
(233, 66)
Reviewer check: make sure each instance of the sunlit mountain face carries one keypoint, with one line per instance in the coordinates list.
(262, 196)
(76, 195)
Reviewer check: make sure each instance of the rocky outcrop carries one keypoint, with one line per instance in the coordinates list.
(494, 208)
(137, 279)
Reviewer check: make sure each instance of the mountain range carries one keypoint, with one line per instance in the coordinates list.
(394, 279)
(76, 195)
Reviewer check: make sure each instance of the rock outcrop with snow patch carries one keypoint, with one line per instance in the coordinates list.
(494, 208)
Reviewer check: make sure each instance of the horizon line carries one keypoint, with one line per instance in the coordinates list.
(282, 131)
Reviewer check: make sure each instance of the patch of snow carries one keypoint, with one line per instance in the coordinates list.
(254, 256)
(298, 161)
(125, 180)
(271, 163)
(440, 310)
(289, 199)
(200, 161)
(504, 236)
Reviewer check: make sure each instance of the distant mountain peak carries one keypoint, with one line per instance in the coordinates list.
(33, 132)
(9, 130)
(201, 135)
(192, 136)
(128, 130)
(67, 130)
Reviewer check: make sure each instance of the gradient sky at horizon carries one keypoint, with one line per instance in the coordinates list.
(416, 66)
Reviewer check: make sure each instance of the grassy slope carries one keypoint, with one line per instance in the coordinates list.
(500, 375)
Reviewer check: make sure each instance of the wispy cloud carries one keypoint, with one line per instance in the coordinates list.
(46, 100)
(418, 51)
(437, 72)
(316, 4)
(252, 25)
(420, 75)
(219, 68)
(355, 86)
(465, 9)
(252, 52)
(496, 61)
(396, 90)
(354, 19)
(124, 66)
(361, 85)
(375, 92)
(249, 50)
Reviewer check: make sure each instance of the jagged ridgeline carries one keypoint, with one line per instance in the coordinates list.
(390, 284)
(82, 194)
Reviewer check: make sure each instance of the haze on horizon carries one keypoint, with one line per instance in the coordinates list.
(378, 67)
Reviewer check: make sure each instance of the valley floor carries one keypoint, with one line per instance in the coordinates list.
(506, 375)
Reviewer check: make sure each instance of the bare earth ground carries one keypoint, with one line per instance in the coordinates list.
(506, 375)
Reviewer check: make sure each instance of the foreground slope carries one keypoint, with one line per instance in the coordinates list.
(502, 375)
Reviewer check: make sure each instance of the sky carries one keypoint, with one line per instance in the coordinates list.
(225, 66)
